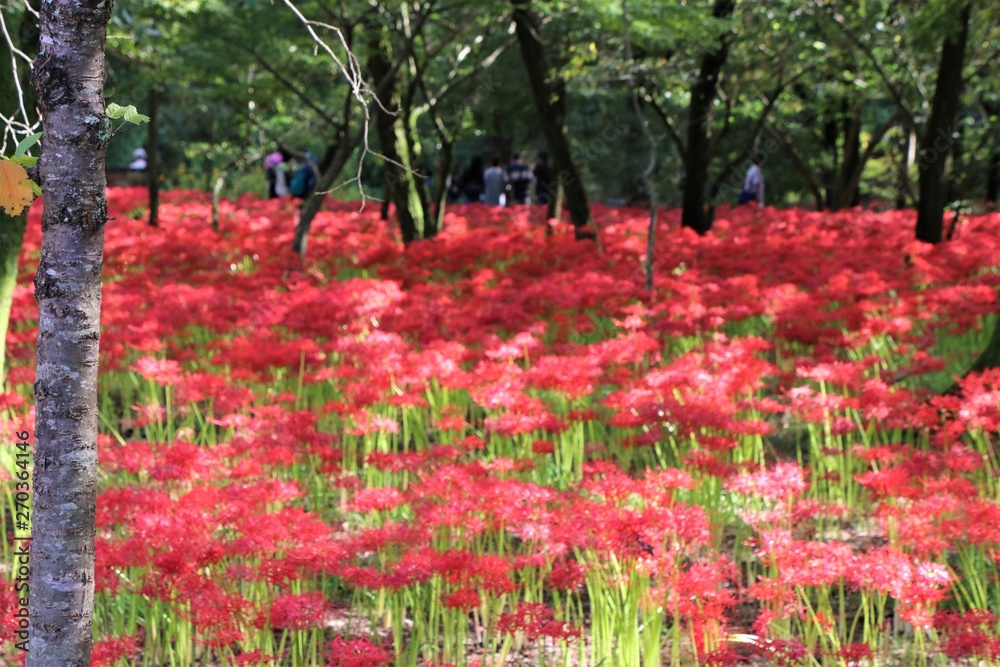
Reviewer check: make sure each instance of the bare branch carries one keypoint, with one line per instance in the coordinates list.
(18, 124)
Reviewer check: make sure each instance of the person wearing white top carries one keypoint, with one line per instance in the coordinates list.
(281, 179)
(138, 160)
(494, 180)
(753, 184)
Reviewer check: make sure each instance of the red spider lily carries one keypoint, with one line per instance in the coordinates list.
(358, 653)
(566, 575)
(276, 370)
(375, 500)
(782, 482)
(535, 620)
(464, 599)
(854, 653)
(160, 371)
(109, 651)
(295, 612)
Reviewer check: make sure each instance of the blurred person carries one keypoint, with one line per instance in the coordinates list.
(544, 187)
(472, 181)
(753, 184)
(138, 160)
(494, 181)
(519, 179)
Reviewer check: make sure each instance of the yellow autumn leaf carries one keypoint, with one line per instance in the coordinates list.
(16, 193)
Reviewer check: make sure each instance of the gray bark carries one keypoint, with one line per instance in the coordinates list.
(153, 162)
(69, 83)
(697, 152)
(548, 96)
(648, 174)
(936, 147)
(331, 167)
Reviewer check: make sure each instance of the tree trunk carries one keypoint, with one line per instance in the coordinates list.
(556, 203)
(993, 176)
(648, 174)
(801, 162)
(338, 158)
(153, 158)
(419, 197)
(11, 237)
(846, 193)
(992, 185)
(330, 167)
(956, 184)
(216, 195)
(990, 356)
(696, 154)
(935, 149)
(69, 83)
(440, 195)
(395, 164)
(549, 116)
(832, 196)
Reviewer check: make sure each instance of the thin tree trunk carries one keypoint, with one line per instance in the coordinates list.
(956, 186)
(852, 180)
(832, 198)
(555, 204)
(338, 160)
(992, 191)
(440, 194)
(650, 170)
(993, 176)
(419, 197)
(153, 158)
(935, 149)
(553, 125)
(696, 154)
(330, 167)
(846, 195)
(69, 83)
(395, 164)
(990, 356)
(801, 162)
(216, 192)
(11, 237)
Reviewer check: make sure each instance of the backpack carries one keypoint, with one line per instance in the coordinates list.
(302, 182)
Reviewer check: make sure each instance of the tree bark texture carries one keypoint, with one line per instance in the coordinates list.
(153, 162)
(993, 176)
(442, 172)
(396, 163)
(330, 167)
(990, 356)
(551, 118)
(69, 83)
(310, 207)
(696, 155)
(936, 147)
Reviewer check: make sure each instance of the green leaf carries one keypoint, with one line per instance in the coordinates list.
(128, 114)
(25, 144)
(26, 161)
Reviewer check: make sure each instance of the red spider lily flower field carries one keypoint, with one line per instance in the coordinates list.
(497, 448)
